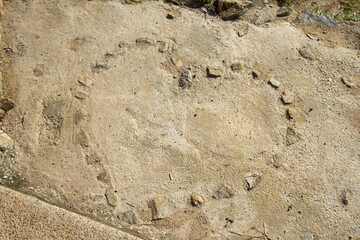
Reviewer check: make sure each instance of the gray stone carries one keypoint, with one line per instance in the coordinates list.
(308, 17)
(233, 9)
(284, 12)
(196, 199)
(291, 136)
(287, 97)
(111, 197)
(307, 53)
(347, 82)
(160, 208)
(128, 217)
(185, 79)
(213, 72)
(223, 192)
(275, 83)
(253, 180)
(267, 14)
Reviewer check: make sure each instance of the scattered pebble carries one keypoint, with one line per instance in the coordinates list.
(160, 208)
(223, 192)
(185, 79)
(177, 62)
(291, 136)
(236, 67)
(111, 197)
(347, 82)
(287, 97)
(253, 180)
(307, 53)
(291, 113)
(81, 95)
(7, 104)
(196, 199)
(345, 198)
(278, 160)
(85, 82)
(143, 40)
(213, 72)
(39, 70)
(275, 83)
(242, 30)
(128, 217)
(163, 47)
(123, 45)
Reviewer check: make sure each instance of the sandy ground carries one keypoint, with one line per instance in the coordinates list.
(102, 127)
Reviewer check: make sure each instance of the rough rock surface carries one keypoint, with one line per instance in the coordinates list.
(139, 132)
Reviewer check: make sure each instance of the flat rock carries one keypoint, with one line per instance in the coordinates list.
(185, 79)
(196, 199)
(308, 17)
(253, 179)
(213, 72)
(111, 197)
(275, 83)
(287, 97)
(160, 208)
(128, 217)
(233, 9)
(223, 192)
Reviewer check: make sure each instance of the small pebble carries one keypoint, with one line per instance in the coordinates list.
(81, 95)
(85, 82)
(111, 197)
(275, 83)
(214, 72)
(347, 82)
(163, 47)
(307, 53)
(196, 199)
(177, 62)
(291, 113)
(287, 97)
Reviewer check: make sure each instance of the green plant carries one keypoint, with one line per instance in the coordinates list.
(349, 11)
